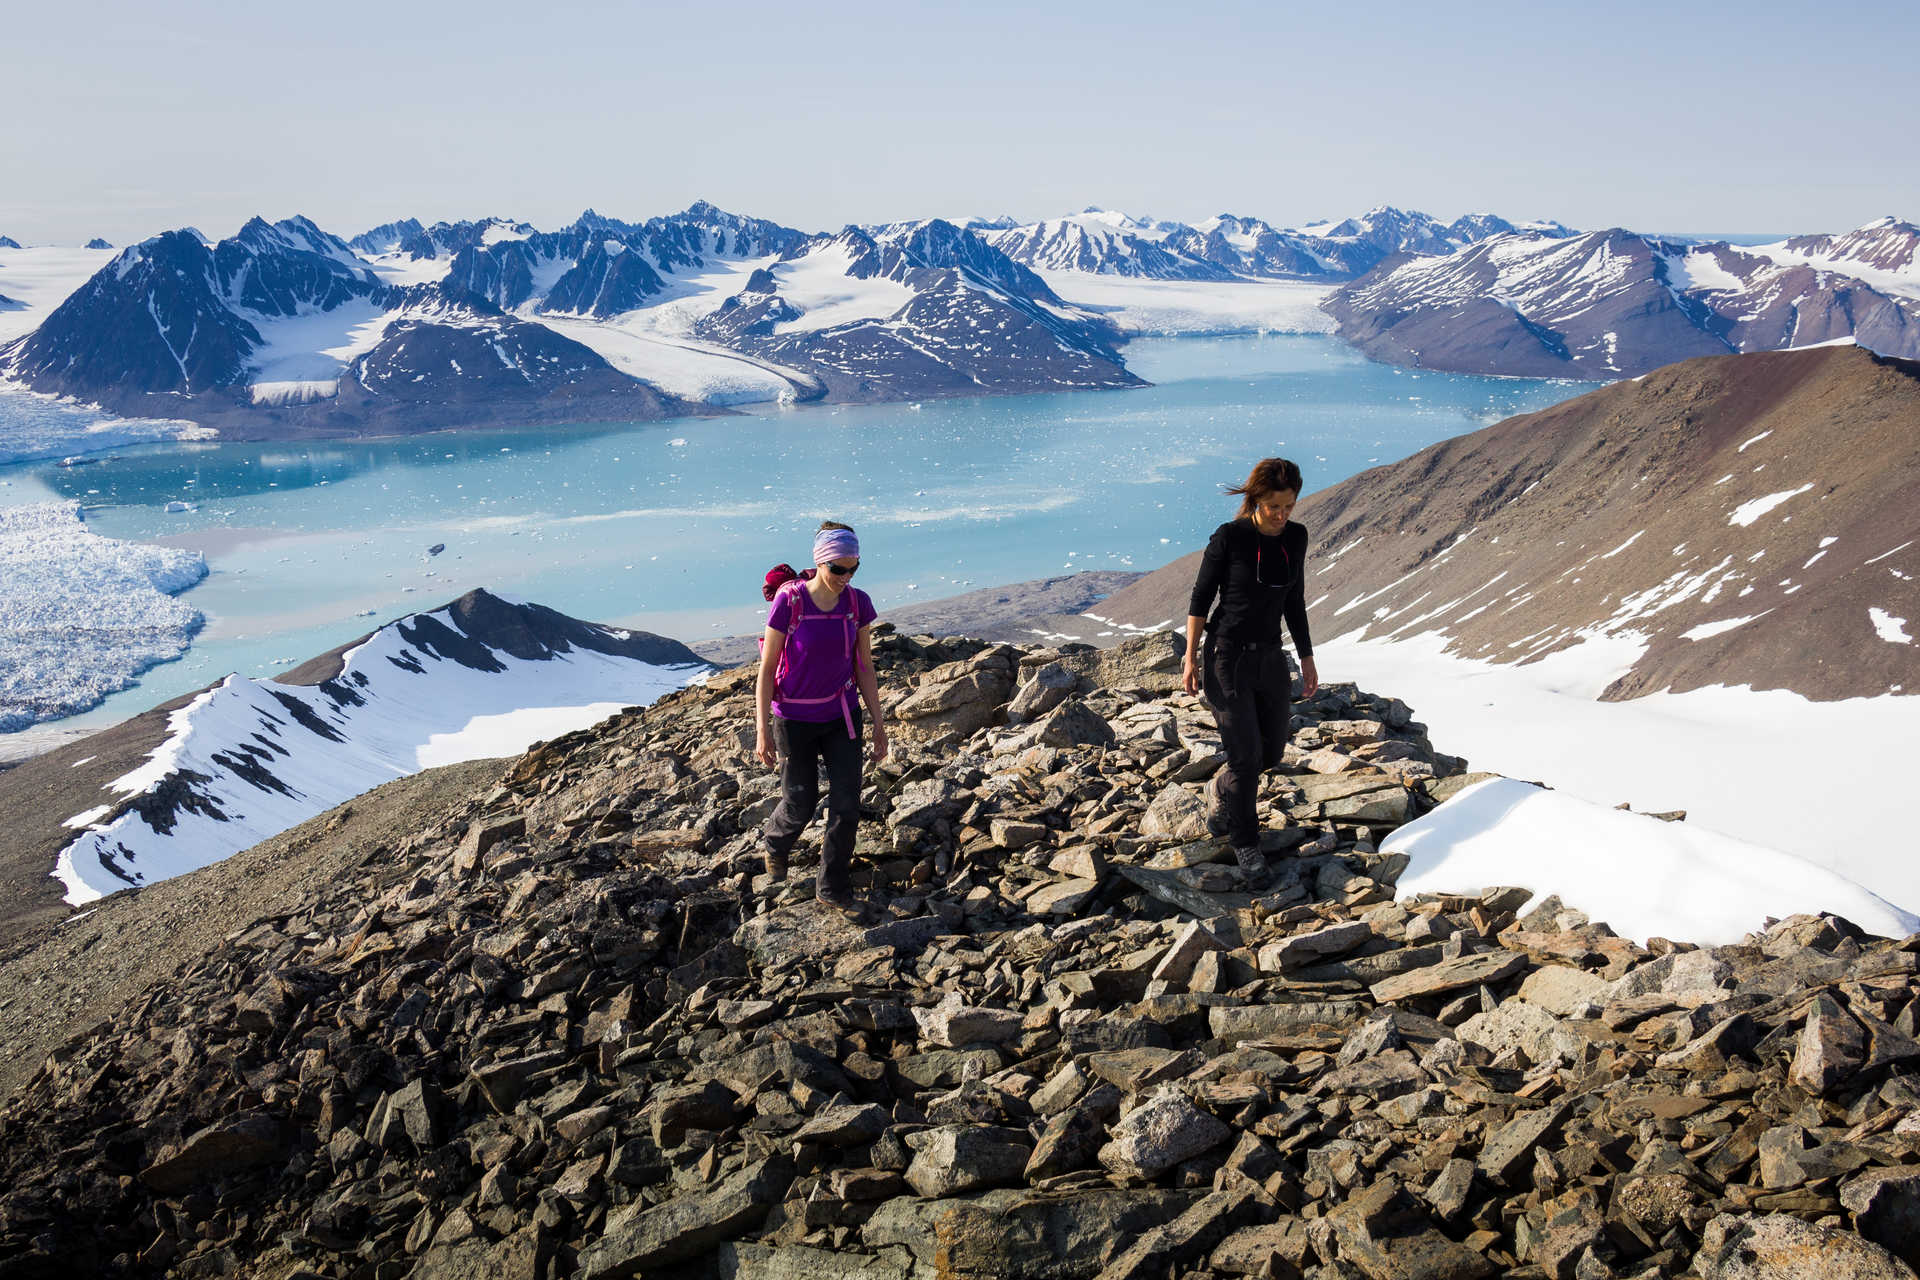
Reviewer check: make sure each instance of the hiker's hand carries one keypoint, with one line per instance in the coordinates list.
(879, 744)
(1309, 678)
(1190, 675)
(764, 750)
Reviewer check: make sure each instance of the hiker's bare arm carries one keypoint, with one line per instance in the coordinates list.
(870, 690)
(1190, 666)
(770, 648)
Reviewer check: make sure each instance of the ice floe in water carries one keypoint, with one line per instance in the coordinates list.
(81, 616)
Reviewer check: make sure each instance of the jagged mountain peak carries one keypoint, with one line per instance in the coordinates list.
(387, 237)
(297, 234)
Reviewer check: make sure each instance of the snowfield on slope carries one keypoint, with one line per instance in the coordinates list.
(81, 616)
(273, 755)
(1646, 878)
(1740, 761)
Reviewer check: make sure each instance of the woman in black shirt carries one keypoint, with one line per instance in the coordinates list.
(1251, 578)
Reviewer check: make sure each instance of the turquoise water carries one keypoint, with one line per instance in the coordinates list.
(669, 526)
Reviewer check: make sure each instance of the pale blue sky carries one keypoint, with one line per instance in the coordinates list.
(124, 119)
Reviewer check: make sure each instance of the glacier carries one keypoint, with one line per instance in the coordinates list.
(82, 616)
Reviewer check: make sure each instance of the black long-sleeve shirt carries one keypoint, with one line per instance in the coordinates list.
(1259, 580)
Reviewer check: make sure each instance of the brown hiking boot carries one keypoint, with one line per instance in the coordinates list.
(1216, 811)
(776, 866)
(844, 902)
(1253, 866)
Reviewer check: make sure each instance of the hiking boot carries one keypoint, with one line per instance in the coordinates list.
(1253, 865)
(776, 866)
(843, 901)
(1217, 822)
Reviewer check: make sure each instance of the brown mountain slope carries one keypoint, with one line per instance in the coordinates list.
(1781, 487)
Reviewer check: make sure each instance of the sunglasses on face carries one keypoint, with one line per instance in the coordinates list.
(844, 570)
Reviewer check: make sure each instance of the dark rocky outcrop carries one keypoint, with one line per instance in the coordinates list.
(568, 1030)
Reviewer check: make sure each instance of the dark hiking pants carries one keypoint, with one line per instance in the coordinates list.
(1250, 688)
(804, 746)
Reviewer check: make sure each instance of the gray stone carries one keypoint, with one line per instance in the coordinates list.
(1160, 1133)
(1062, 897)
(1013, 1234)
(1235, 1023)
(421, 1111)
(1071, 1140)
(519, 1256)
(1192, 942)
(1507, 1154)
(1448, 1191)
(1451, 975)
(687, 1226)
(1390, 807)
(1046, 688)
(216, 1150)
(1885, 1204)
(1714, 1049)
(955, 1158)
(1696, 971)
(1383, 1232)
(749, 1260)
(1176, 813)
(483, 836)
(1775, 1246)
(1304, 949)
(1383, 1078)
(844, 1126)
(1520, 1024)
(1154, 1254)
(1564, 991)
(960, 697)
(678, 1108)
(953, 1024)
(1074, 724)
(504, 1082)
(1831, 1048)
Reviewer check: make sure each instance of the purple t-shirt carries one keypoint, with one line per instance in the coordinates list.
(818, 659)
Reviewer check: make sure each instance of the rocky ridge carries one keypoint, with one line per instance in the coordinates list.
(565, 1031)
(1740, 519)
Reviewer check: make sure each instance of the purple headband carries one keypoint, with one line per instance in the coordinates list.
(831, 544)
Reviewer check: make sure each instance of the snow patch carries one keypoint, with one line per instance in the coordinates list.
(1714, 752)
(1644, 877)
(1707, 630)
(1888, 627)
(1747, 512)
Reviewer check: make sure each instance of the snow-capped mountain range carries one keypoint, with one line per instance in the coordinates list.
(1612, 304)
(1230, 248)
(247, 758)
(285, 325)
(286, 328)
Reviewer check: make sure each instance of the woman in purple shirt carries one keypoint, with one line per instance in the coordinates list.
(816, 655)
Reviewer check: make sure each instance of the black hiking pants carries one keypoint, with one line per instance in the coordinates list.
(804, 746)
(1250, 687)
